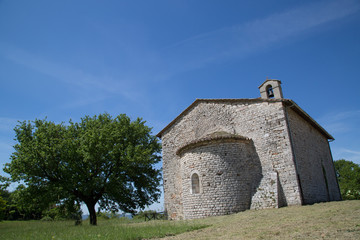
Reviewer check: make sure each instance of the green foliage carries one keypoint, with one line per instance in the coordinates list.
(102, 215)
(46, 219)
(62, 212)
(23, 204)
(2, 208)
(4, 182)
(107, 215)
(13, 210)
(3, 202)
(28, 202)
(348, 174)
(99, 160)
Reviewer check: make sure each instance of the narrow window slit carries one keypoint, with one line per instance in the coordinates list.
(195, 183)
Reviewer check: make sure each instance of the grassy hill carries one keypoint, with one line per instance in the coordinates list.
(334, 220)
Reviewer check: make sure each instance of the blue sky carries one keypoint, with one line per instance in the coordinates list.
(151, 59)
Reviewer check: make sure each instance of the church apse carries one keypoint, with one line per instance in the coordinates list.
(229, 172)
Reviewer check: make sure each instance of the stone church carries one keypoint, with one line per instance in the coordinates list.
(222, 156)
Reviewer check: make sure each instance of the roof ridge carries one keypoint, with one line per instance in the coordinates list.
(197, 100)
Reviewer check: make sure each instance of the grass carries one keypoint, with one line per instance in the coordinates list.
(106, 229)
(334, 220)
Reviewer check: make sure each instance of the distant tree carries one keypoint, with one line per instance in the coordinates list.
(2, 208)
(348, 174)
(26, 204)
(2, 200)
(101, 159)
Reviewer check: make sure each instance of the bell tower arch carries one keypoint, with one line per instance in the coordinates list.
(271, 88)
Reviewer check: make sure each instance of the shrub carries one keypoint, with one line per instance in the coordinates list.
(46, 219)
(103, 215)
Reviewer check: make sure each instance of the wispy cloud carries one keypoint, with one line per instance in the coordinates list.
(345, 127)
(352, 152)
(248, 38)
(84, 81)
(341, 122)
(8, 124)
(238, 41)
(348, 154)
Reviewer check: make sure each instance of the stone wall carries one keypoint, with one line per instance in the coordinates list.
(262, 121)
(314, 161)
(268, 195)
(229, 172)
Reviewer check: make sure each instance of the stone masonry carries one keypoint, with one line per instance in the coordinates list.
(222, 156)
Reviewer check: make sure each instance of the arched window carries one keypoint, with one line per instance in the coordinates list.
(269, 91)
(195, 183)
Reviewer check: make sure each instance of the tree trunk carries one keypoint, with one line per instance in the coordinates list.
(91, 208)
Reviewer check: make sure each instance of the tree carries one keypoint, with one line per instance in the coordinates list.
(101, 159)
(3, 196)
(348, 174)
(29, 202)
(2, 208)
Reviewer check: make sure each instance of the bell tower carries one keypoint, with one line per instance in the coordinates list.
(271, 88)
